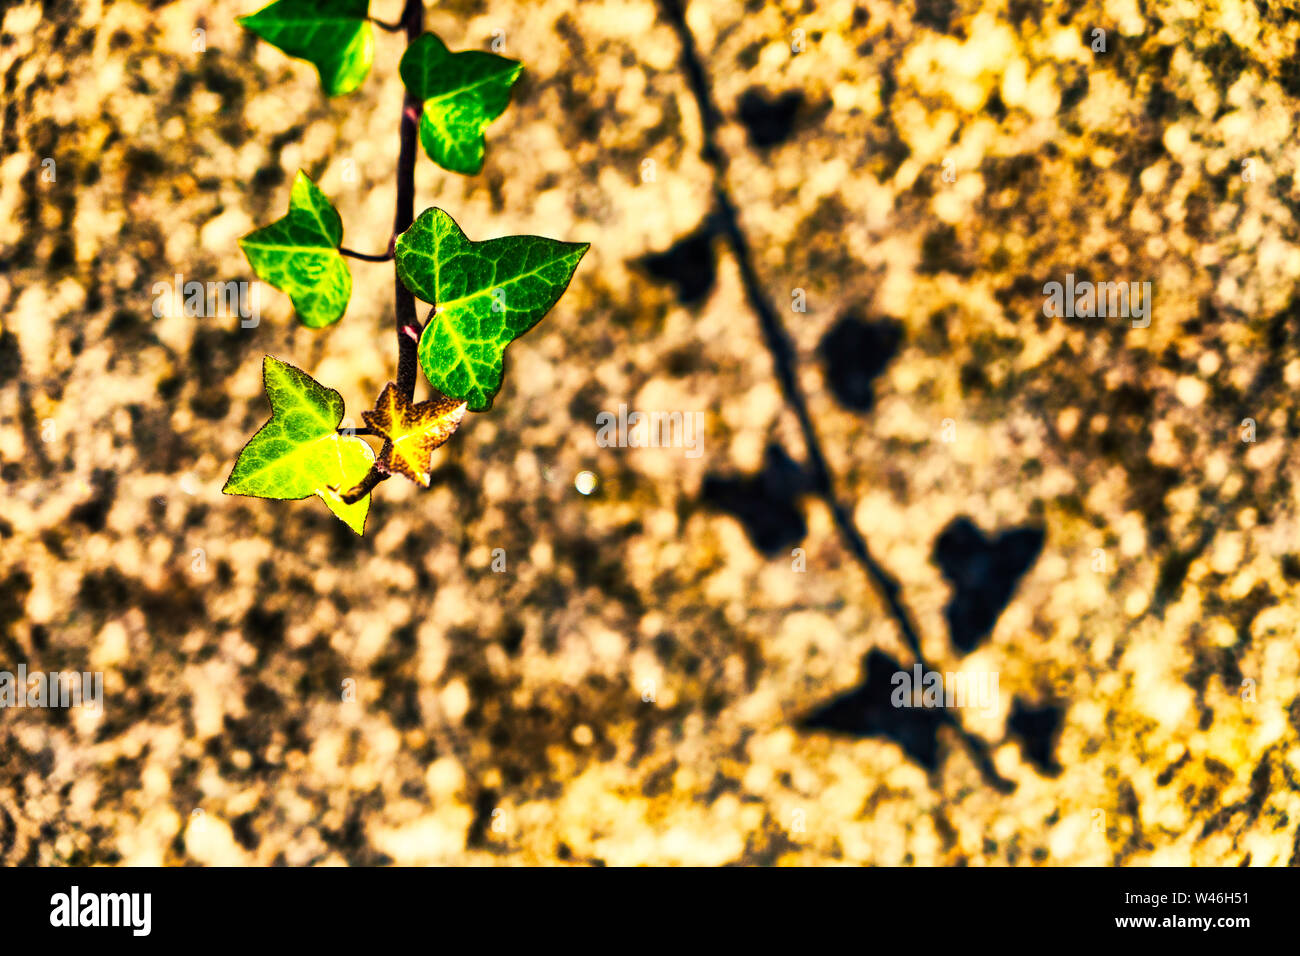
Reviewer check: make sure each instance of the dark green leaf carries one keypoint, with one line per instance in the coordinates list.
(462, 94)
(299, 255)
(487, 295)
(333, 35)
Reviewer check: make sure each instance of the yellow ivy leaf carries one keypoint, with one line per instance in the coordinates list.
(412, 432)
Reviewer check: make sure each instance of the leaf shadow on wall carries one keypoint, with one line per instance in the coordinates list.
(689, 264)
(867, 711)
(766, 503)
(983, 572)
(854, 353)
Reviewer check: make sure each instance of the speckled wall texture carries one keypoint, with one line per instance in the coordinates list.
(824, 226)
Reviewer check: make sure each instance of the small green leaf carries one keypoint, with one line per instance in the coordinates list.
(462, 94)
(487, 295)
(299, 452)
(332, 35)
(299, 255)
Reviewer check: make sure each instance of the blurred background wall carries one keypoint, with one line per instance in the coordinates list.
(689, 663)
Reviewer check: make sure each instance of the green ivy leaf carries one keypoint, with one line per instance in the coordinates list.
(299, 255)
(487, 295)
(332, 35)
(462, 94)
(299, 452)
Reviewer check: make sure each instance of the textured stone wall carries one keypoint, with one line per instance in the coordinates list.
(1071, 503)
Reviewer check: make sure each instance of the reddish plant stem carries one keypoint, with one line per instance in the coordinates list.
(364, 256)
(407, 325)
(413, 22)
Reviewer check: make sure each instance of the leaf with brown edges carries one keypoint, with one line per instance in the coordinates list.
(411, 432)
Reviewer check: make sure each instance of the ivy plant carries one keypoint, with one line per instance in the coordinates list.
(483, 294)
